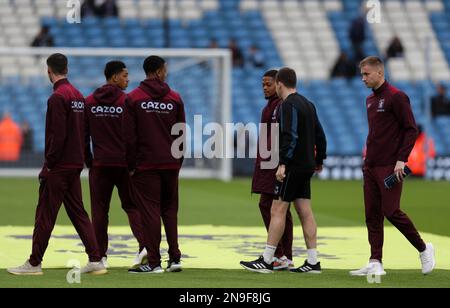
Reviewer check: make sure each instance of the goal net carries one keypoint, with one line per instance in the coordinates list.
(201, 76)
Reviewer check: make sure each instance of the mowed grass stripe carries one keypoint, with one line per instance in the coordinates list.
(211, 202)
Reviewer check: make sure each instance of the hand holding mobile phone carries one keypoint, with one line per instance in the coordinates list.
(391, 180)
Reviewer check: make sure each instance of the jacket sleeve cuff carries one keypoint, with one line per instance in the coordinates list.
(403, 159)
(283, 161)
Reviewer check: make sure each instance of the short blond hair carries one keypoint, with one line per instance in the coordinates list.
(372, 61)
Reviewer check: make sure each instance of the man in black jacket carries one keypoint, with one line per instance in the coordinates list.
(302, 151)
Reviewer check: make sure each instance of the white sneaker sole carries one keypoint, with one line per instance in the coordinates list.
(25, 274)
(357, 274)
(175, 269)
(148, 273)
(366, 274)
(96, 273)
(261, 271)
(310, 272)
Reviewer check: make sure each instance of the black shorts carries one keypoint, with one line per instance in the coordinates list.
(296, 185)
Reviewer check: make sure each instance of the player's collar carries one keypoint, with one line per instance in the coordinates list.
(381, 88)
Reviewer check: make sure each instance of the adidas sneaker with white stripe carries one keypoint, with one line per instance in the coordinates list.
(258, 266)
(146, 269)
(308, 268)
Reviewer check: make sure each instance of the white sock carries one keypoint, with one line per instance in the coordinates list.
(268, 254)
(312, 256)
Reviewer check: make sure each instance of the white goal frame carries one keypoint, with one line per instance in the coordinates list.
(222, 64)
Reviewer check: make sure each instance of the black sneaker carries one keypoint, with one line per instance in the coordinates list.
(259, 266)
(146, 269)
(174, 266)
(308, 268)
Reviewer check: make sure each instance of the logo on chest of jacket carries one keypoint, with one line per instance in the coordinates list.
(274, 115)
(381, 105)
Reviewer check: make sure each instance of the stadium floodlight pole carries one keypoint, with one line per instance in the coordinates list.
(222, 56)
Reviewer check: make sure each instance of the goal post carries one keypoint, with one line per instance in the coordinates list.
(201, 76)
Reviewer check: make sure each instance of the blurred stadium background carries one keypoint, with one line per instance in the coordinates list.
(306, 35)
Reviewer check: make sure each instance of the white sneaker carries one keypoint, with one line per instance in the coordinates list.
(26, 270)
(94, 268)
(373, 268)
(104, 261)
(141, 258)
(428, 259)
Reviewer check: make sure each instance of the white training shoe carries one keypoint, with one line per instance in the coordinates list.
(428, 259)
(26, 270)
(94, 268)
(373, 268)
(104, 261)
(141, 258)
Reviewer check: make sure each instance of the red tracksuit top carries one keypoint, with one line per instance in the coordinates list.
(392, 128)
(150, 113)
(264, 180)
(104, 116)
(64, 127)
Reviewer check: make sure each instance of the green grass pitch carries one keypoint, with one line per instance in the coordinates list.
(226, 208)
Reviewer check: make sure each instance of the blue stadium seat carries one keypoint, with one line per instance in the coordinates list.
(118, 42)
(131, 23)
(90, 22)
(111, 22)
(339, 102)
(76, 42)
(153, 23)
